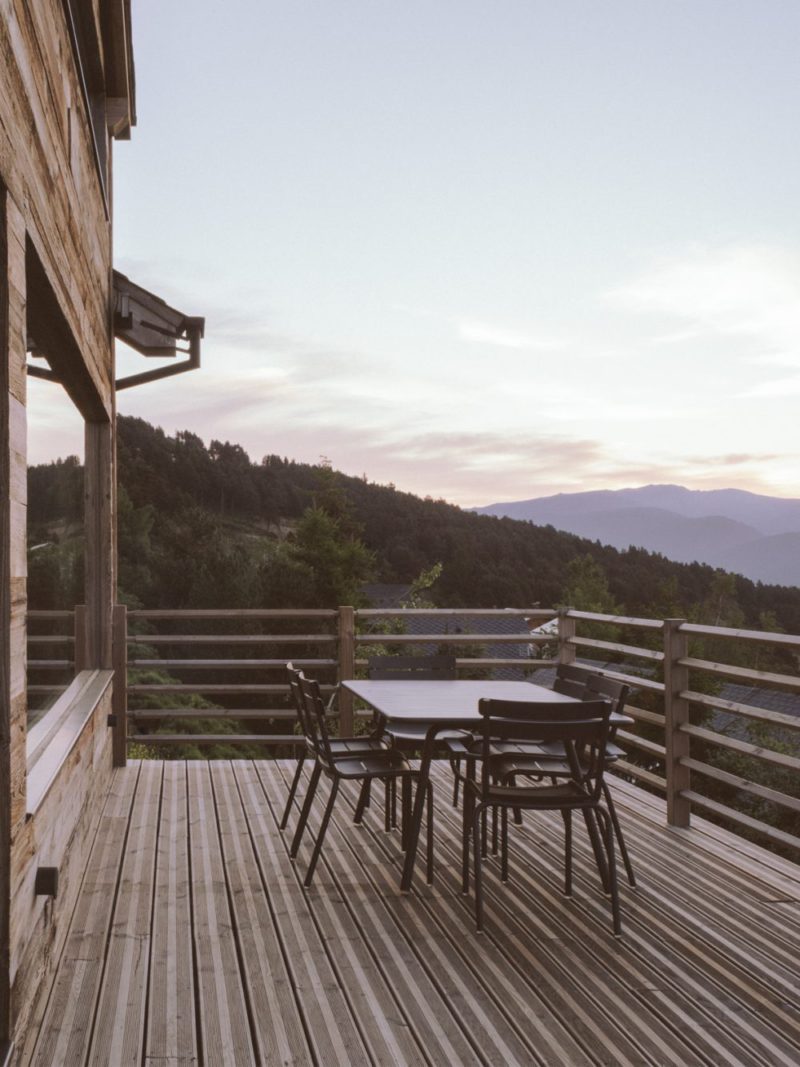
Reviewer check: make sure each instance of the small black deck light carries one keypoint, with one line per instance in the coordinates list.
(46, 884)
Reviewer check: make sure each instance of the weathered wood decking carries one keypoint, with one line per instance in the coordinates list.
(194, 942)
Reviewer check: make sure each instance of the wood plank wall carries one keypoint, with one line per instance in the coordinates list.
(55, 279)
(13, 562)
(47, 164)
(60, 834)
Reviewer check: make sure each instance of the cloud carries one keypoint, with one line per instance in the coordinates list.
(477, 331)
(501, 337)
(775, 387)
(509, 425)
(777, 359)
(735, 459)
(735, 290)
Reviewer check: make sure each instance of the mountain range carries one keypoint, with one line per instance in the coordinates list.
(747, 533)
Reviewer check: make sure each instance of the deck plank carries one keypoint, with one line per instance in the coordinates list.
(118, 1036)
(67, 1025)
(194, 934)
(472, 986)
(224, 1017)
(376, 968)
(680, 951)
(561, 1024)
(171, 1021)
(278, 1024)
(332, 1031)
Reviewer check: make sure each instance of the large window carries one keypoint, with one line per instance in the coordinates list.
(56, 541)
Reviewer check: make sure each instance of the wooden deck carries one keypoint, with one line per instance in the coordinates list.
(193, 942)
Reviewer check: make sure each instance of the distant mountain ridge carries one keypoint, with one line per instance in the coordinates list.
(747, 533)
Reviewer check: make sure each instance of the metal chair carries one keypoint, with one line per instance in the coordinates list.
(547, 758)
(386, 764)
(467, 749)
(581, 733)
(598, 687)
(340, 746)
(410, 737)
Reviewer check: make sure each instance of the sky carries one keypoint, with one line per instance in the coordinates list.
(481, 251)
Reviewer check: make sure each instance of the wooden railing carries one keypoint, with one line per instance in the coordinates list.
(164, 655)
(56, 652)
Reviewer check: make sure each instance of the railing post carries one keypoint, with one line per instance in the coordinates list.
(676, 713)
(81, 653)
(347, 655)
(566, 629)
(119, 700)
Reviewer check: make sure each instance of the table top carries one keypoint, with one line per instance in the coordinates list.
(418, 701)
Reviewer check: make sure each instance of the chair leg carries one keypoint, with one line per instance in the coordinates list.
(504, 844)
(455, 767)
(292, 790)
(494, 830)
(623, 851)
(301, 824)
(363, 801)
(429, 832)
(405, 811)
(518, 816)
(466, 830)
(567, 815)
(323, 829)
(478, 823)
(597, 847)
(608, 831)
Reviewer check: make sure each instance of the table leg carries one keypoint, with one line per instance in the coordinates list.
(419, 805)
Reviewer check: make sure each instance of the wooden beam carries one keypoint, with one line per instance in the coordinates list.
(53, 337)
(347, 638)
(676, 711)
(100, 552)
(13, 568)
(119, 701)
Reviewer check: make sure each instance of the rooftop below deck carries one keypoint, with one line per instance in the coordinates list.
(194, 942)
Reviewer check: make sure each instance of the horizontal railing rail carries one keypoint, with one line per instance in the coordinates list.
(54, 656)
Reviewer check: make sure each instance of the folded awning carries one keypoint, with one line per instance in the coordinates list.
(150, 326)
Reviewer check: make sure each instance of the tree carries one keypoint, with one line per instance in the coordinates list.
(321, 567)
(586, 587)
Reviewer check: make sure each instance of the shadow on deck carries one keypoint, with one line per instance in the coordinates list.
(193, 942)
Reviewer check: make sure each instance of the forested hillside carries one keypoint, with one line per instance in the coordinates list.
(205, 526)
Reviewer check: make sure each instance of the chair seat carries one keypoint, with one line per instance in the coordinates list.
(372, 765)
(343, 746)
(520, 748)
(415, 734)
(567, 794)
(613, 752)
(467, 747)
(536, 766)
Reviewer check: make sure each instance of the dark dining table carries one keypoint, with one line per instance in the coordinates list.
(443, 705)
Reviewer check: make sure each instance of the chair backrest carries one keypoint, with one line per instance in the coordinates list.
(570, 688)
(572, 672)
(582, 727)
(598, 687)
(412, 668)
(295, 689)
(315, 712)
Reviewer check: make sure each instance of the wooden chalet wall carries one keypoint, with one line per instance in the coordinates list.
(55, 291)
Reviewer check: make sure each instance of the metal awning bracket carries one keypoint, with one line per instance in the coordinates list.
(147, 323)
